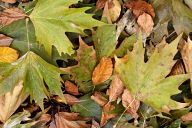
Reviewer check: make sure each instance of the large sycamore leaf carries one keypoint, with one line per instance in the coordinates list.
(147, 81)
(53, 18)
(33, 71)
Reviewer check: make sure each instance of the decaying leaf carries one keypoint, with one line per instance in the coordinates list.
(146, 23)
(114, 10)
(115, 89)
(106, 114)
(147, 81)
(71, 88)
(9, 1)
(186, 53)
(187, 117)
(50, 24)
(44, 118)
(102, 71)
(34, 72)
(11, 101)
(5, 41)
(139, 7)
(82, 72)
(99, 98)
(8, 54)
(130, 103)
(178, 68)
(10, 15)
(95, 124)
(69, 120)
(69, 99)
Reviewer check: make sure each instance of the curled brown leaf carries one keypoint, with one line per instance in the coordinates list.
(71, 88)
(99, 99)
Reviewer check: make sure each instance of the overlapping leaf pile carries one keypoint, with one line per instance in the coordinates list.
(113, 70)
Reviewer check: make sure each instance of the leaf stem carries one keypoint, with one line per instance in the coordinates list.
(26, 24)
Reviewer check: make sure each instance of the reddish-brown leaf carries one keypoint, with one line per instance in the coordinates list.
(95, 124)
(44, 118)
(130, 103)
(139, 7)
(70, 100)
(100, 4)
(103, 71)
(187, 117)
(98, 98)
(9, 1)
(116, 88)
(106, 114)
(146, 23)
(5, 41)
(69, 120)
(10, 15)
(71, 88)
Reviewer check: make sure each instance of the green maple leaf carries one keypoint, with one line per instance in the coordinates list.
(147, 81)
(34, 72)
(52, 19)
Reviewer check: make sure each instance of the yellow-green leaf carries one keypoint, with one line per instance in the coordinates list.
(8, 54)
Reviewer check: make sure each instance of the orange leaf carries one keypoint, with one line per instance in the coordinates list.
(10, 15)
(139, 7)
(103, 71)
(71, 88)
(187, 117)
(8, 54)
(9, 1)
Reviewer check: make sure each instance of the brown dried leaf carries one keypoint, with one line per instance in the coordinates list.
(44, 118)
(100, 4)
(11, 101)
(95, 124)
(116, 88)
(10, 15)
(99, 99)
(103, 71)
(9, 1)
(115, 10)
(187, 117)
(5, 41)
(178, 68)
(106, 14)
(71, 88)
(70, 100)
(68, 120)
(106, 114)
(139, 7)
(130, 103)
(146, 23)
(186, 53)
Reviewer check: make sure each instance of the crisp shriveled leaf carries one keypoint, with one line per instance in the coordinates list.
(87, 107)
(8, 54)
(50, 26)
(147, 80)
(23, 35)
(69, 120)
(11, 101)
(33, 71)
(5, 41)
(82, 73)
(105, 41)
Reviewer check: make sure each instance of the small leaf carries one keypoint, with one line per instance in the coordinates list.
(34, 72)
(87, 107)
(130, 103)
(187, 117)
(102, 71)
(115, 10)
(8, 54)
(105, 41)
(99, 98)
(116, 88)
(71, 88)
(10, 15)
(68, 120)
(146, 23)
(5, 41)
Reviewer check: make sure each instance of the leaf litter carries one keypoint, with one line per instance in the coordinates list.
(122, 72)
